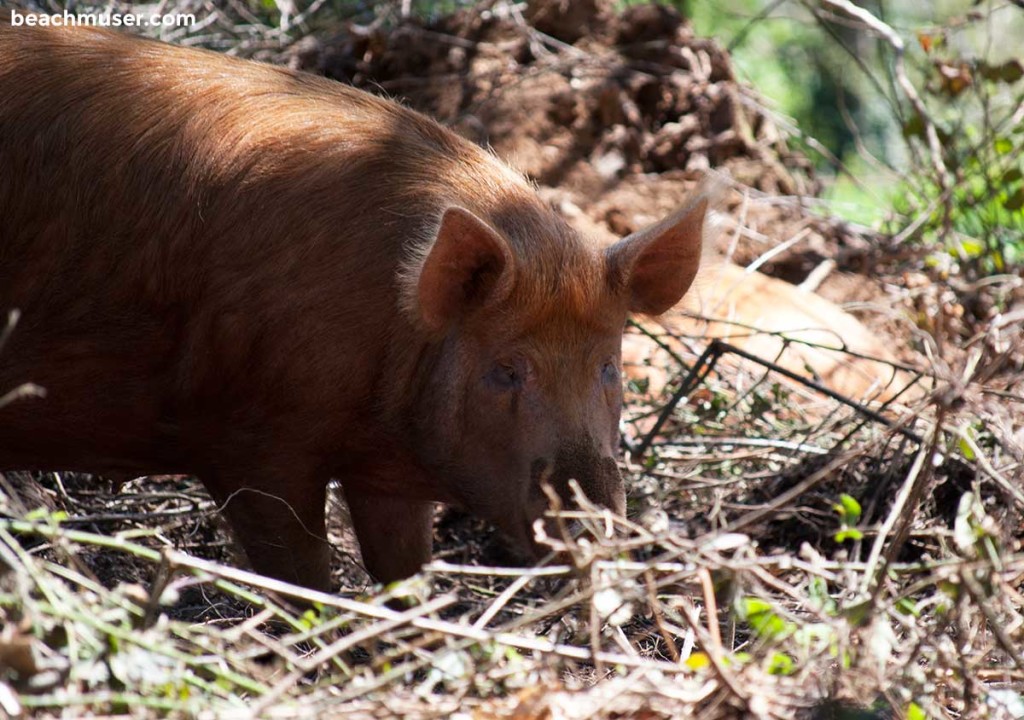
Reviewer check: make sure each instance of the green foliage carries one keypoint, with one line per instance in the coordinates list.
(907, 607)
(804, 68)
(849, 515)
(979, 220)
(848, 509)
(837, 80)
(848, 534)
(915, 712)
(781, 664)
(763, 619)
(817, 593)
(50, 517)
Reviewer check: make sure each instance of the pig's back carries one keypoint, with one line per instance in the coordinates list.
(188, 156)
(187, 234)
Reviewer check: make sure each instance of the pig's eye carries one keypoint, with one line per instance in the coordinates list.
(610, 373)
(504, 376)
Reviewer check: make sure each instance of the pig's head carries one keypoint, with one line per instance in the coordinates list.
(522, 385)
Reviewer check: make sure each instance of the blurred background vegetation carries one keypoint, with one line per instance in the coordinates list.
(834, 76)
(830, 69)
(832, 79)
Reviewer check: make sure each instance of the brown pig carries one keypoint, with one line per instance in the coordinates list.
(269, 280)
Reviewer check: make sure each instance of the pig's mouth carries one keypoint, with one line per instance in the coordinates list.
(516, 542)
(550, 487)
(547, 487)
(596, 476)
(525, 544)
(515, 545)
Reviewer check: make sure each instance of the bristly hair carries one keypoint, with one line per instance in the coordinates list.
(555, 269)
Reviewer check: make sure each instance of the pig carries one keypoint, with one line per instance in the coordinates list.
(270, 281)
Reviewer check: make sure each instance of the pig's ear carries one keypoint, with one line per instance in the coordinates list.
(654, 267)
(468, 265)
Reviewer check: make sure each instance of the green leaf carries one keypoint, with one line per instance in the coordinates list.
(848, 534)
(781, 664)
(763, 619)
(907, 607)
(972, 248)
(1015, 201)
(1011, 71)
(1012, 175)
(966, 450)
(740, 658)
(751, 606)
(849, 509)
(54, 517)
(967, 528)
(916, 712)
(914, 127)
(817, 591)
(1003, 146)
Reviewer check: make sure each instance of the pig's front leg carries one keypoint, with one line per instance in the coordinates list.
(279, 523)
(395, 534)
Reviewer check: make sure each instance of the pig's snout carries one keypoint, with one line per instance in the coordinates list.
(598, 477)
(597, 474)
